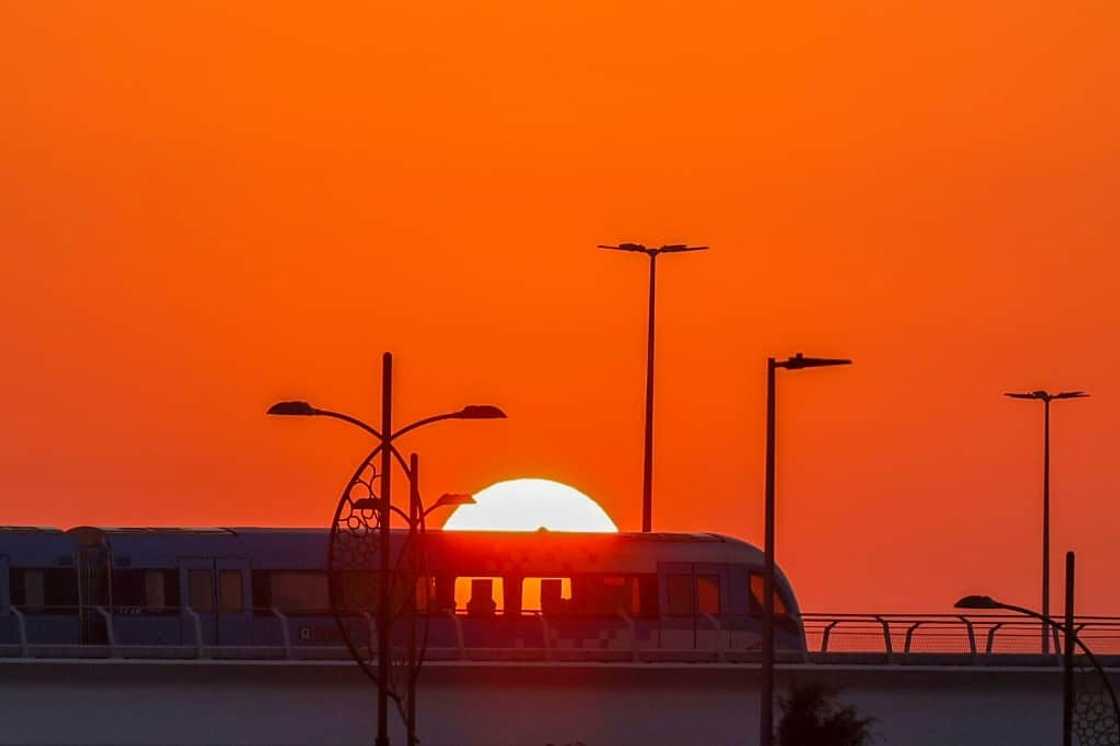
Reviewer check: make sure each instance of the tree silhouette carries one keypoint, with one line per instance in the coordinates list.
(811, 716)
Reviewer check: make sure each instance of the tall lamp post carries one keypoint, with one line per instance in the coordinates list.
(1046, 397)
(766, 702)
(647, 464)
(386, 437)
(1071, 640)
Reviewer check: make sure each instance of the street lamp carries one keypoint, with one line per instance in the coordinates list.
(1046, 397)
(448, 500)
(766, 702)
(383, 508)
(647, 467)
(988, 603)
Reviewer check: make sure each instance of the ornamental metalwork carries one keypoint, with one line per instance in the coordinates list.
(354, 578)
(1094, 711)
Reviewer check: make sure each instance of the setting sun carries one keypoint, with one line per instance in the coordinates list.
(529, 505)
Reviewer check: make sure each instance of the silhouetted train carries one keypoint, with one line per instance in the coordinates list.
(249, 588)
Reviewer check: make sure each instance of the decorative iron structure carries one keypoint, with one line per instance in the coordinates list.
(354, 575)
(1094, 709)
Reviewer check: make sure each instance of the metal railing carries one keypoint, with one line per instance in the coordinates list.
(971, 634)
(852, 638)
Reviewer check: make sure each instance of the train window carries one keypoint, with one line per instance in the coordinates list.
(155, 591)
(128, 588)
(43, 588)
(200, 590)
(358, 590)
(648, 601)
(161, 590)
(150, 590)
(230, 594)
(479, 596)
(547, 595)
(605, 595)
(758, 593)
(679, 591)
(29, 590)
(298, 591)
(707, 594)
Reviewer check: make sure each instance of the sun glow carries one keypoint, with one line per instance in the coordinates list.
(529, 505)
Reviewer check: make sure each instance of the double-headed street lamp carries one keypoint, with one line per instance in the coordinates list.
(1071, 640)
(1046, 397)
(386, 436)
(647, 464)
(766, 702)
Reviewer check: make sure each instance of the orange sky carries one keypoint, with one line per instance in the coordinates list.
(207, 206)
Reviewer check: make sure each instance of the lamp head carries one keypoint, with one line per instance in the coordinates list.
(1042, 395)
(675, 248)
(368, 503)
(480, 412)
(292, 408)
(977, 602)
(453, 500)
(623, 247)
(799, 361)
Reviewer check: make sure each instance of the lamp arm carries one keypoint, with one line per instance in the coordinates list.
(347, 418)
(425, 421)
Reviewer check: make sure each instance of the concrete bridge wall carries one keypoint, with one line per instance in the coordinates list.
(500, 704)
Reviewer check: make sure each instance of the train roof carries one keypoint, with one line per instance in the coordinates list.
(35, 545)
(297, 548)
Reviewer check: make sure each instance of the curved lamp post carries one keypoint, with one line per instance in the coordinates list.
(988, 603)
(647, 464)
(1046, 397)
(766, 701)
(382, 508)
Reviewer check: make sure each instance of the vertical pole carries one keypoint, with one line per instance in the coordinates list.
(1067, 670)
(1046, 523)
(384, 598)
(414, 565)
(647, 474)
(766, 701)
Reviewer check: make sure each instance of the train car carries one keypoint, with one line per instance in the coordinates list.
(245, 589)
(38, 586)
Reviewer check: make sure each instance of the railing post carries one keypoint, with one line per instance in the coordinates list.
(458, 633)
(547, 638)
(910, 637)
(971, 635)
(827, 634)
(371, 631)
(21, 625)
(887, 643)
(285, 633)
(991, 638)
(720, 649)
(110, 633)
(199, 643)
(634, 656)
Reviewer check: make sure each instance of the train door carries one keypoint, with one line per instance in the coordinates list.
(200, 596)
(234, 609)
(94, 590)
(710, 603)
(678, 606)
(217, 591)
